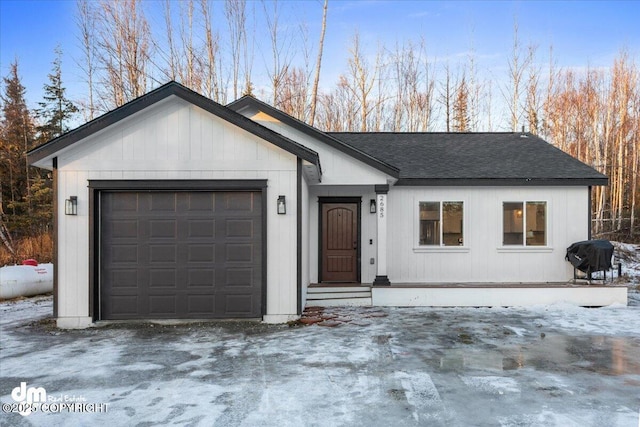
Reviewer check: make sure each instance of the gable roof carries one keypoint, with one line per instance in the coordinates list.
(49, 149)
(474, 159)
(353, 151)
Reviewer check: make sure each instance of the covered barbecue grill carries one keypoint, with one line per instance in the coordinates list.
(590, 256)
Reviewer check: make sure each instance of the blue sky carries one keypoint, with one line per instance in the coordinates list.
(588, 33)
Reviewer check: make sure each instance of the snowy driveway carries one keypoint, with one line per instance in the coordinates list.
(551, 366)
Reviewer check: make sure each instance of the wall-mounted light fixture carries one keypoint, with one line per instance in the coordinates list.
(372, 206)
(71, 206)
(282, 205)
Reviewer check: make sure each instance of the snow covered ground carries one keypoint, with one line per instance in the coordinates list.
(546, 366)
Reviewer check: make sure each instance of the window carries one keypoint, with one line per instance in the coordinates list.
(524, 223)
(441, 224)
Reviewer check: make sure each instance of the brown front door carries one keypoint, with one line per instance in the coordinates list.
(339, 242)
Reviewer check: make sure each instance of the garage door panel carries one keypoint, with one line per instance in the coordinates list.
(238, 201)
(239, 252)
(162, 228)
(123, 254)
(201, 201)
(162, 278)
(122, 278)
(163, 202)
(163, 253)
(127, 202)
(201, 277)
(239, 228)
(239, 277)
(181, 255)
(201, 253)
(201, 228)
(162, 305)
(236, 305)
(124, 305)
(201, 305)
(124, 229)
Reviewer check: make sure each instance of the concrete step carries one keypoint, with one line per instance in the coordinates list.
(324, 289)
(337, 295)
(337, 302)
(333, 296)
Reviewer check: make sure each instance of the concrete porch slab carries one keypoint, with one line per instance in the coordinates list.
(494, 295)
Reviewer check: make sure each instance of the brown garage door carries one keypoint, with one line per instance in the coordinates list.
(180, 255)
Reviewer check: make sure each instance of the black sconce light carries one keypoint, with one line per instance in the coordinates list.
(71, 206)
(282, 205)
(372, 206)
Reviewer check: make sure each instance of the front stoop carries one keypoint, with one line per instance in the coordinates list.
(334, 296)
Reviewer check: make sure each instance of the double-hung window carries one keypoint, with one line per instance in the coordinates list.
(524, 223)
(441, 224)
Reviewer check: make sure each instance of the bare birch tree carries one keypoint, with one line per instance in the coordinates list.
(85, 16)
(316, 78)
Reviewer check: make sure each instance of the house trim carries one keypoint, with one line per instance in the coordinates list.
(382, 278)
(299, 236)
(589, 212)
(358, 202)
(500, 182)
(172, 88)
(54, 177)
(247, 101)
(97, 186)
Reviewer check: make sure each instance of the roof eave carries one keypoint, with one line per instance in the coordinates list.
(51, 148)
(374, 162)
(502, 182)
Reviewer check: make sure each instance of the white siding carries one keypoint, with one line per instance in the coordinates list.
(175, 140)
(338, 168)
(483, 258)
(306, 241)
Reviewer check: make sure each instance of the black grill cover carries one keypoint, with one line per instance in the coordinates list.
(590, 255)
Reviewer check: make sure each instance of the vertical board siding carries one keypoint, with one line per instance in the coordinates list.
(175, 140)
(482, 257)
(338, 168)
(305, 241)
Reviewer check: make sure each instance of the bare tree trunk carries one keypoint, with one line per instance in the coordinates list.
(124, 40)
(236, 19)
(445, 96)
(26, 165)
(211, 88)
(517, 68)
(5, 235)
(172, 60)
(362, 79)
(533, 96)
(316, 78)
(85, 21)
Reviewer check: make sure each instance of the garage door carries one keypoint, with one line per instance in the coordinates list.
(180, 255)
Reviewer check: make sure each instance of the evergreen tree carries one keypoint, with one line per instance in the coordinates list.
(17, 136)
(16, 128)
(56, 110)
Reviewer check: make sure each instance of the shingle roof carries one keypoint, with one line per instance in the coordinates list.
(474, 159)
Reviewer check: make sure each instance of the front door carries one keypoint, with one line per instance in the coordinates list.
(339, 242)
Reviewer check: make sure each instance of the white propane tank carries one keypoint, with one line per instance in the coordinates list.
(25, 280)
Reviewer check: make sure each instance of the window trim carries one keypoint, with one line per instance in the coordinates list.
(523, 247)
(418, 248)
